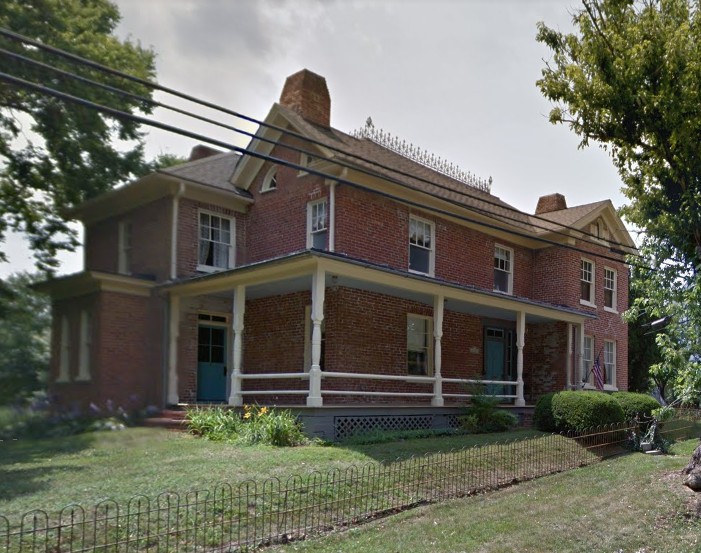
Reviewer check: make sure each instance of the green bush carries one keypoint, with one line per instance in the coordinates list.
(543, 414)
(636, 405)
(483, 416)
(214, 423)
(580, 411)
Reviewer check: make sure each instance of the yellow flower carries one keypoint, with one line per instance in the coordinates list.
(263, 411)
(247, 415)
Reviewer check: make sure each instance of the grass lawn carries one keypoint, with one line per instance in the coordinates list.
(634, 503)
(84, 469)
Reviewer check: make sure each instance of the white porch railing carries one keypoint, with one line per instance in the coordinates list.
(433, 380)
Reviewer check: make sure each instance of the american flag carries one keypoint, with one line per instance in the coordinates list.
(598, 374)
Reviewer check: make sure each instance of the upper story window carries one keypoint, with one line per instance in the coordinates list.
(587, 282)
(216, 242)
(610, 293)
(503, 269)
(317, 224)
(610, 362)
(588, 360)
(270, 180)
(124, 248)
(418, 345)
(421, 252)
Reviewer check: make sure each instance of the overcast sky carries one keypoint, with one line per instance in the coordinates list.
(456, 77)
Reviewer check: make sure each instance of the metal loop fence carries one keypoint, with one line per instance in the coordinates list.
(239, 517)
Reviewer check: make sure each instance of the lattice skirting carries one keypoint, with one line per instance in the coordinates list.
(345, 427)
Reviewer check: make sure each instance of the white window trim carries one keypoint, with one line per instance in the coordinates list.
(429, 337)
(85, 347)
(612, 386)
(592, 294)
(588, 363)
(432, 250)
(268, 179)
(232, 249)
(510, 287)
(124, 248)
(310, 208)
(614, 308)
(305, 160)
(64, 359)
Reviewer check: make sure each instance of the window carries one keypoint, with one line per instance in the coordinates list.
(503, 275)
(610, 299)
(305, 160)
(308, 329)
(85, 346)
(418, 339)
(588, 360)
(216, 239)
(587, 282)
(317, 225)
(610, 362)
(65, 353)
(420, 246)
(270, 180)
(124, 248)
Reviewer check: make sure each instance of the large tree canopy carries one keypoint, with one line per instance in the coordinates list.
(629, 79)
(55, 155)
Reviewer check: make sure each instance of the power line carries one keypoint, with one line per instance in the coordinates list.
(87, 62)
(196, 136)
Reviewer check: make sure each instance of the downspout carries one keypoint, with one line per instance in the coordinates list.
(174, 232)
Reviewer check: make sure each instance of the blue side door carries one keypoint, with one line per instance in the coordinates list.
(494, 356)
(211, 363)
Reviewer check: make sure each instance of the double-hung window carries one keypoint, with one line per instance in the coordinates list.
(421, 253)
(610, 299)
(418, 339)
(85, 346)
(588, 360)
(587, 282)
(124, 248)
(216, 242)
(317, 224)
(503, 269)
(610, 362)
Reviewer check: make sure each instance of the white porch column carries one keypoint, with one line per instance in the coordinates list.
(437, 400)
(580, 354)
(173, 332)
(318, 290)
(238, 311)
(520, 342)
(568, 364)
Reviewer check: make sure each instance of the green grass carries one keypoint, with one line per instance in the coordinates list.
(87, 468)
(633, 503)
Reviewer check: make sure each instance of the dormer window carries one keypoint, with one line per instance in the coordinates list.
(216, 242)
(270, 180)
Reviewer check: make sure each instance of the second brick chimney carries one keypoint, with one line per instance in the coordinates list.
(306, 93)
(551, 202)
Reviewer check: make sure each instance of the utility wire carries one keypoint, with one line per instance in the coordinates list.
(84, 61)
(155, 103)
(196, 136)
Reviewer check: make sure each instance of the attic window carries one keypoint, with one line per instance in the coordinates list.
(270, 180)
(305, 160)
(599, 230)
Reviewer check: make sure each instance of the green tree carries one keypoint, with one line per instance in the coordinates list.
(55, 155)
(24, 337)
(629, 79)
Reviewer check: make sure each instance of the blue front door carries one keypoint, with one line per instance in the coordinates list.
(494, 356)
(211, 363)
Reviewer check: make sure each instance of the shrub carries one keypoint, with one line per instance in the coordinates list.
(580, 411)
(636, 405)
(543, 414)
(214, 423)
(483, 416)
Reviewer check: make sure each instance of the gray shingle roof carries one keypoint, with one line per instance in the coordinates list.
(213, 171)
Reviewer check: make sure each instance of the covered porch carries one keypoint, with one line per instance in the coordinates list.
(361, 335)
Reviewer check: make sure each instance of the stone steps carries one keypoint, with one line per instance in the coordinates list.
(172, 419)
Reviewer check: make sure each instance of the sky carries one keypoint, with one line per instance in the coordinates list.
(455, 77)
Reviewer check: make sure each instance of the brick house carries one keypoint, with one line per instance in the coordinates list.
(353, 278)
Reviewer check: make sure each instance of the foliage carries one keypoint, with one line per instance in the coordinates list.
(580, 411)
(629, 80)
(543, 418)
(257, 425)
(55, 155)
(483, 416)
(24, 337)
(643, 352)
(636, 405)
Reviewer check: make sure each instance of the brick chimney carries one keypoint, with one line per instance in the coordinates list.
(552, 202)
(201, 151)
(306, 93)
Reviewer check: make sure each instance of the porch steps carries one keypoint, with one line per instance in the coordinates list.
(172, 419)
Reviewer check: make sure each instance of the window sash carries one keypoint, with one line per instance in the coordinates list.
(588, 359)
(609, 361)
(418, 345)
(420, 246)
(215, 241)
(586, 280)
(609, 288)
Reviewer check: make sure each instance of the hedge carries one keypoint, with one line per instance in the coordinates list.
(579, 411)
(543, 414)
(634, 404)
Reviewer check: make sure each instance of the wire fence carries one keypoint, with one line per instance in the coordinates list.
(238, 518)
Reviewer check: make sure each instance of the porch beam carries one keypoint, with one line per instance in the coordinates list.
(238, 307)
(520, 343)
(173, 333)
(314, 398)
(438, 308)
